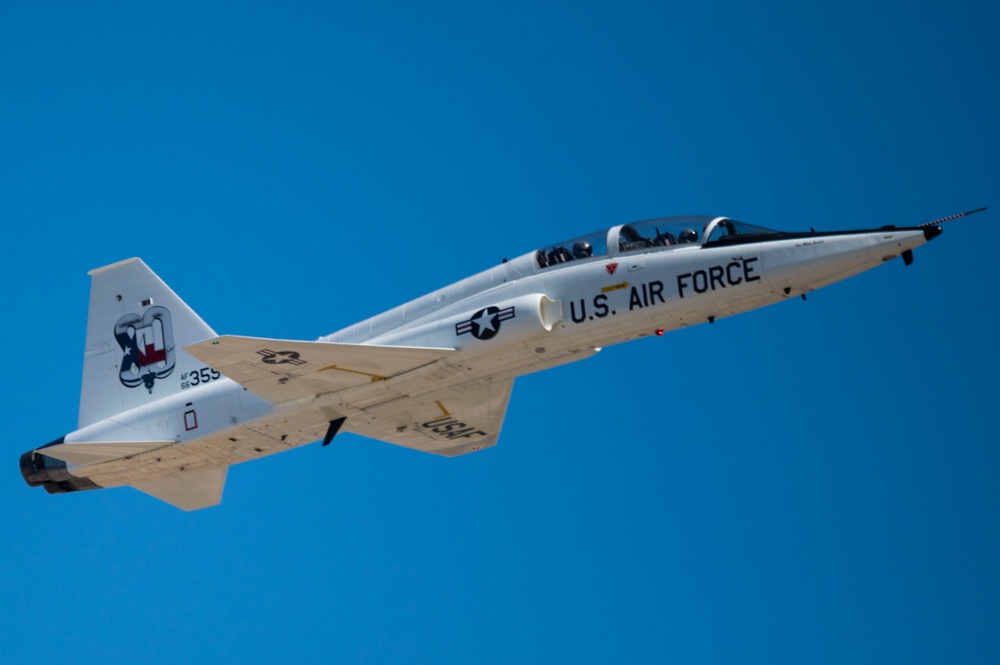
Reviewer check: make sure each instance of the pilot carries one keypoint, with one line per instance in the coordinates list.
(582, 249)
(688, 235)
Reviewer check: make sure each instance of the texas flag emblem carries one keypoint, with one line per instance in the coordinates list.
(147, 344)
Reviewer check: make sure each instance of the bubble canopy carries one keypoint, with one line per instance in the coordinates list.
(663, 233)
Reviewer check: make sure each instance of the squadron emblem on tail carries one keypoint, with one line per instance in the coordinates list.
(147, 344)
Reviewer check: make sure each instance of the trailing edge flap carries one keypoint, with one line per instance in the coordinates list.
(449, 422)
(189, 491)
(92, 453)
(282, 370)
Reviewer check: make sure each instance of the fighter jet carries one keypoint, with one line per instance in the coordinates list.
(167, 406)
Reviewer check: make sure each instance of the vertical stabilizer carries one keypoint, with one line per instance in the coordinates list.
(136, 328)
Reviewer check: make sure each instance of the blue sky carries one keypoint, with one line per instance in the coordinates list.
(811, 482)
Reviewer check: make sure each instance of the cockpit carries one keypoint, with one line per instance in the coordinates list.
(651, 235)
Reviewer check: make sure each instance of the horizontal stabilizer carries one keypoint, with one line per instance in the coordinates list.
(283, 370)
(92, 453)
(189, 491)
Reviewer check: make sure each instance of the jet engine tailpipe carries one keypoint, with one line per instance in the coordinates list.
(41, 470)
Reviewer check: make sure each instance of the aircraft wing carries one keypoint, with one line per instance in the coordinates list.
(449, 422)
(415, 413)
(283, 370)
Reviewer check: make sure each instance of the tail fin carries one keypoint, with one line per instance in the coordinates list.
(136, 329)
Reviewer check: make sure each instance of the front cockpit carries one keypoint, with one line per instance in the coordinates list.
(651, 235)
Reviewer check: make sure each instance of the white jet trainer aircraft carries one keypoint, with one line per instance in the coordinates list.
(167, 405)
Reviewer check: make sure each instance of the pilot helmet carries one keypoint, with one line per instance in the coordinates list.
(582, 249)
(688, 235)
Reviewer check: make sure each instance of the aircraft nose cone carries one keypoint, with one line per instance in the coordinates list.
(931, 232)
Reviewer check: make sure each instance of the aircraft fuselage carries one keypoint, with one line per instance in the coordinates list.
(624, 296)
(435, 374)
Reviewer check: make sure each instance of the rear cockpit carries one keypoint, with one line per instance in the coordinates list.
(587, 247)
(651, 235)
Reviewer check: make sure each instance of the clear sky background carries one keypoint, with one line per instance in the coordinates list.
(812, 482)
